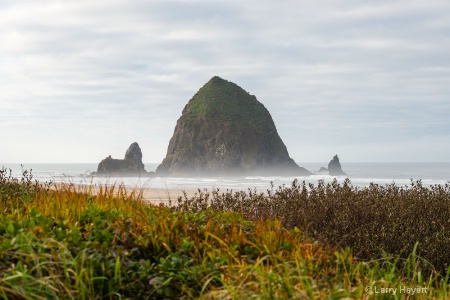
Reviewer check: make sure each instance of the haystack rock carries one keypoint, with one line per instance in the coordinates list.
(131, 165)
(225, 130)
(334, 167)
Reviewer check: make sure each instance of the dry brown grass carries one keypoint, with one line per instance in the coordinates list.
(370, 220)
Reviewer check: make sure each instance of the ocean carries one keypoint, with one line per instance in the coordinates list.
(360, 174)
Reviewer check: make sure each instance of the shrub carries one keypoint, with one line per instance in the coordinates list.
(369, 220)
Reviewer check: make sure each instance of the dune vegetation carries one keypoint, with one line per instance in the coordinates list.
(327, 241)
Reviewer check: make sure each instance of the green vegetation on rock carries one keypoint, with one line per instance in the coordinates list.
(226, 102)
(225, 129)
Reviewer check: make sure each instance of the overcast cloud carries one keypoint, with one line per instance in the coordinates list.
(368, 80)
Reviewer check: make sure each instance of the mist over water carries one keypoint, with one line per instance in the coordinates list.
(360, 174)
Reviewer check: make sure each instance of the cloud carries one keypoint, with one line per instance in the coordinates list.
(122, 71)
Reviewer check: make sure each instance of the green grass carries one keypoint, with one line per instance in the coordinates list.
(71, 243)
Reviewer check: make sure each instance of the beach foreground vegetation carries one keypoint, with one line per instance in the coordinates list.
(69, 242)
(372, 220)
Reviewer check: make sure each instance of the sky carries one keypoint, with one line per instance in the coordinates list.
(367, 80)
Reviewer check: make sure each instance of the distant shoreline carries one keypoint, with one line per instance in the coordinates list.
(360, 174)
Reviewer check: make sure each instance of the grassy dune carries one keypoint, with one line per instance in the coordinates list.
(371, 221)
(68, 243)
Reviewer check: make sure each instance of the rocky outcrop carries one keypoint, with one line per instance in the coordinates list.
(134, 157)
(131, 165)
(334, 167)
(322, 169)
(225, 130)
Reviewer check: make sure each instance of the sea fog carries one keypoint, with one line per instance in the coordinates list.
(360, 174)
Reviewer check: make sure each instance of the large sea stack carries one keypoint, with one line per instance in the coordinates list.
(225, 130)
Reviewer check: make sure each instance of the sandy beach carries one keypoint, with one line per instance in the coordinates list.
(152, 195)
(156, 196)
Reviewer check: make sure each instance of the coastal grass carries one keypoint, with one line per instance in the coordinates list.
(71, 243)
(372, 221)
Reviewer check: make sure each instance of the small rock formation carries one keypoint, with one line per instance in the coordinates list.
(134, 157)
(225, 130)
(322, 169)
(131, 165)
(334, 167)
